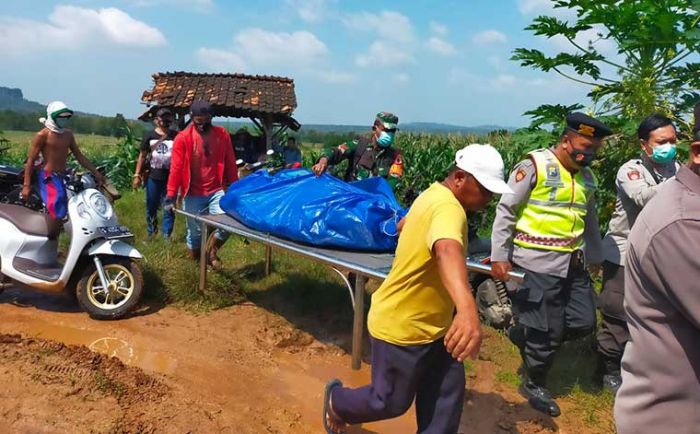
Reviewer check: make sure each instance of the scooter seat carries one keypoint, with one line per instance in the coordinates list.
(29, 221)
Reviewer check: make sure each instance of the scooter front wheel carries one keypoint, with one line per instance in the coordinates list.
(122, 294)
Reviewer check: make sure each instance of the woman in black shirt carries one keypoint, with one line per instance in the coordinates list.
(153, 168)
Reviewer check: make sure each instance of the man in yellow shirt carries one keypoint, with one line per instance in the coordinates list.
(418, 341)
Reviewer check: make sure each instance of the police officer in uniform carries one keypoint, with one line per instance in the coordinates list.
(637, 182)
(368, 157)
(542, 228)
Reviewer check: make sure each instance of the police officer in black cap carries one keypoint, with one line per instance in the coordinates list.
(544, 229)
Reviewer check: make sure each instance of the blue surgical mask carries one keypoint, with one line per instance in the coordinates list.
(385, 139)
(62, 122)
(663, 154)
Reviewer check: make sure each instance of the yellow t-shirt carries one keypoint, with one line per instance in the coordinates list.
(412, 307)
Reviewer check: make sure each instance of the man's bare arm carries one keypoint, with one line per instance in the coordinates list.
(463, 338)
(38, 143)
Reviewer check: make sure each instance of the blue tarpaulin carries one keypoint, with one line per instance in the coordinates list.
(321, 211)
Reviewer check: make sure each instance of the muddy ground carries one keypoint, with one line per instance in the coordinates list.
(241, 369)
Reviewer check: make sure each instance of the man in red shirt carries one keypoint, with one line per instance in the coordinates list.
(203, 164)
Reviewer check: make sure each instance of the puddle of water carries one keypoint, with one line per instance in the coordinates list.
(110, 346)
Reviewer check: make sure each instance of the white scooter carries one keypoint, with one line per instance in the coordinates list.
(99, 266)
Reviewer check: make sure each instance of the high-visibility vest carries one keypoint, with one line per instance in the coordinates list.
(554, 216)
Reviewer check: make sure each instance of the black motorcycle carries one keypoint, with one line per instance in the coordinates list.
(11, 183)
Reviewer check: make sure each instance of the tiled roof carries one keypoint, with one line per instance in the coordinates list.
(235, 95)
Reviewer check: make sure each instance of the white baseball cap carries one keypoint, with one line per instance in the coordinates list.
(485, 164)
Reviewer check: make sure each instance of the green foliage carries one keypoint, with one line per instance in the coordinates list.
(653, 70)
(80, 123)
(119, 165)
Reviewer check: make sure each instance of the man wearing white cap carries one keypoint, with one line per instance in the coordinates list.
(423, 321)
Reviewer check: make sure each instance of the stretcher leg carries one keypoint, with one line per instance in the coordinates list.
(358, 325)
(203, 257)
(268, 260)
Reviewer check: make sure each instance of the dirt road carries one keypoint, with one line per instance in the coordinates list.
(236, 370)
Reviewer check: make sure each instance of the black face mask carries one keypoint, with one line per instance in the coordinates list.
(203, 127)
(583, 158)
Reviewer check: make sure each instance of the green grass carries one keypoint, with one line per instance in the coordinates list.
(90, 144)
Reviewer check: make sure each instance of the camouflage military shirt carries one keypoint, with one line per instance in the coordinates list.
(364, 161)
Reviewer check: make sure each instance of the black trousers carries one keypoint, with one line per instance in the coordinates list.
(613, 333)
(550, 309)
(401, 374)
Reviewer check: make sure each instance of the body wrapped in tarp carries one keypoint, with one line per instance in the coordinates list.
(321, 211)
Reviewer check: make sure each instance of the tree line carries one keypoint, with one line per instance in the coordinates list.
(80, 123)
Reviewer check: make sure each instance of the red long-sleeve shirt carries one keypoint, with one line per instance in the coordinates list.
(212, 173)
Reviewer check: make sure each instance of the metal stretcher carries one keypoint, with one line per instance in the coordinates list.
(366, 265)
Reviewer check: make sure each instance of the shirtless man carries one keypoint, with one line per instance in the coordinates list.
(53, 143)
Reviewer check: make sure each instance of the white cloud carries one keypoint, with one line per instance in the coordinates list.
(503, 81)
(382, 54)
(440, 46)
(221, 60)
(459, 76)
(258, 48)
(311, 11)
(438, 28)
(497, 62)
(197, 5)
(258, 51)
(544, 7)
(584, 38)
(335, 77)
(403, 78)
(488, 37)
(389, 25)
(72, 28)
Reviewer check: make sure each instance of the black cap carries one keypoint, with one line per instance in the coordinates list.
(200, 108)
(587, 126)
(163, 112)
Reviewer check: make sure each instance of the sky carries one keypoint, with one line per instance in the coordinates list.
(425, 60)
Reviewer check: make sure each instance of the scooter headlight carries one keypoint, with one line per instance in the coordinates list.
(100, 205)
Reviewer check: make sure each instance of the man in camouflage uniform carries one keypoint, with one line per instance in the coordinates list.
(368, 156)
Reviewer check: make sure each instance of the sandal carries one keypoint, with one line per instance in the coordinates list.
(327, 411)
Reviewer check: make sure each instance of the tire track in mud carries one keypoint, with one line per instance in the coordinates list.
(136, 399)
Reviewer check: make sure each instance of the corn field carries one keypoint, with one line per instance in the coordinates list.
(428, 157)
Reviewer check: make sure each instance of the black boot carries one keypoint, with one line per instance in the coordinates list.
(516, 334)
(612, 378)
(538, 396)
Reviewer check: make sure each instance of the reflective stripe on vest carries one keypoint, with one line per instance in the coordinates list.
(554, 216)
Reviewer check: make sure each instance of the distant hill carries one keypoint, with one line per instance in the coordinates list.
(414, 127)
(12, 99)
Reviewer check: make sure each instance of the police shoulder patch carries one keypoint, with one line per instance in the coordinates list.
(520, 175)
(633, 174)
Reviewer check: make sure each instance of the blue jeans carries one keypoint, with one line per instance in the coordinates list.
(202, 205)
(155, 194)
